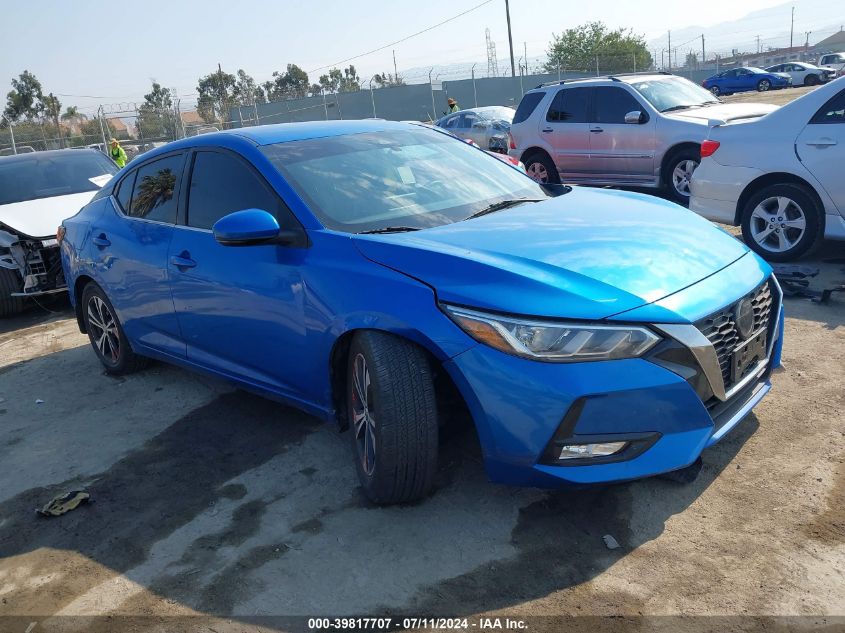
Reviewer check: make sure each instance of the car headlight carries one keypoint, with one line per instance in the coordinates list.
(554, 341)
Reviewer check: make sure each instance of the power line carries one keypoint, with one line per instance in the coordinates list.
(404, 39)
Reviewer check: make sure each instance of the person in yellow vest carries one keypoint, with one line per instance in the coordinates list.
(453, 105)
(117, 153)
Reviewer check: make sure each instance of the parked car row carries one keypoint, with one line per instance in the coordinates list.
(746, 78)
(653, 130)
(393, 281)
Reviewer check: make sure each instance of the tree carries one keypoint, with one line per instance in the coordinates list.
(156, 117)
(72, 113)
(24, 101)
(52, 109)
(350, 82)
(388, 80)
(331, 82)
(216, 96)
(578, 48)
(246, 91)
(691, 60)
(291, 84)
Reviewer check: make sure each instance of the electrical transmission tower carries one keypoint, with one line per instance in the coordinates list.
(492, 66)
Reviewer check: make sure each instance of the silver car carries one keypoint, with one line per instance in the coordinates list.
(487, 127)
(642, 130)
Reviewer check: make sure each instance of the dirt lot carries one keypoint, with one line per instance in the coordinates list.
(210, 501)
(775, 97)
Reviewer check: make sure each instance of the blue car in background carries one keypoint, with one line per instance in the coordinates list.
(389, 278)
(745, 79)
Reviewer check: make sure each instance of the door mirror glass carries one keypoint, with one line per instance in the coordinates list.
(243, 228)
(635, 117)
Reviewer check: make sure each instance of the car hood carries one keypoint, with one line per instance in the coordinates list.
(588, 254)
(41, 217)
(725, 112)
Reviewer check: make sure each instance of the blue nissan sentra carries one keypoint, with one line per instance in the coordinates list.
(382, 275)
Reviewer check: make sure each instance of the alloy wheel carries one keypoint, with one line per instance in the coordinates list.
(778, 224)
(363, 421)
(538, 172)
(764, 85)
(714, 90)
(681, 176)
(103, 327)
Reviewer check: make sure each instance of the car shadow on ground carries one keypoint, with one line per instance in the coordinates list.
(245, 507)
(46, 310)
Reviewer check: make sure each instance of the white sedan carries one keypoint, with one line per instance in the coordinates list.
(804, 74)
(780, 176)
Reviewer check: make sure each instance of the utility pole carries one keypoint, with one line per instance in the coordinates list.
(703, 57)
(791, 27)
(395, 72)
(510, 38)
(807, 39)
(525, 55)
(758, 43)
(670, 51)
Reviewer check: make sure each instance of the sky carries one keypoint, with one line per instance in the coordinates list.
(97, 51)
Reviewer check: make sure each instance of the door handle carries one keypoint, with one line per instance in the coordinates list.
(547, 129)
(101, 240)
(596, 130)
(182, 261)
(822, 142)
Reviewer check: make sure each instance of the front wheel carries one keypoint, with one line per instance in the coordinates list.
(10, 282)
(392, 417)
(106, 334)
(680, 168)
(715, 91)
(763, 85)
(541, 168)
(811, 80)
(781, 222)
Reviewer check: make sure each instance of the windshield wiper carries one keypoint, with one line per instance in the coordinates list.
(504, 204)
(682, 107)
(390, 229)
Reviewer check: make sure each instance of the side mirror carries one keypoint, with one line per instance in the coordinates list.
(250, 227)
(636, 117)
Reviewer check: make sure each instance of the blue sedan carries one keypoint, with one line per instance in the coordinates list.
(393, 280)
(745, 79)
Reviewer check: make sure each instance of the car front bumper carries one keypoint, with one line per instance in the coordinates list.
(525, 410)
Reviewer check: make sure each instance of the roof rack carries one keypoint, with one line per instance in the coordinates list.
(614, 77)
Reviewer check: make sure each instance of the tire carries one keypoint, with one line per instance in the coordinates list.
(394, 442)
(538, 166)
(715, 91)
(811, 80)
(679, 169)
(764, 85)
(773, 218)
(106, 334)
(10, 282)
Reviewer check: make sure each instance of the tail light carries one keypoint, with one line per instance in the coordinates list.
(708, 148)
(60, 234)
(511, 142)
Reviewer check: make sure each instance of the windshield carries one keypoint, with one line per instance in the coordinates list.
(48, 174)
(757, 71)
(673, 93)
(497, 114)
(415, 178)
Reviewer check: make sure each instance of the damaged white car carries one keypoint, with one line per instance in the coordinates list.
(37, 192)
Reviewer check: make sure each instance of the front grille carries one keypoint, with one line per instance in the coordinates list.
(720, 328)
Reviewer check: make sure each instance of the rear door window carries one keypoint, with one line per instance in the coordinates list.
(155, 194)
(527, 106)
(611, 104)
(570, 105)
(833, 111)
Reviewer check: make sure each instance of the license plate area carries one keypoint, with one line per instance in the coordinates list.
(747, 355)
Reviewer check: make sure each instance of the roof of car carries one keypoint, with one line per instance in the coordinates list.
(609, 79)
(36, 156)
(284, 132)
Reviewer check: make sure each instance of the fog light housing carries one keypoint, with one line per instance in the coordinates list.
(582, 451)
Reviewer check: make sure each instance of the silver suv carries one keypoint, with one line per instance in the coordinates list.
(642, 130)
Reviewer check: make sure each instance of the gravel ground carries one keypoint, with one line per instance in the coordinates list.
(207, 500)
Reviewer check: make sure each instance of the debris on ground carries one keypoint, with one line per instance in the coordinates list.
(795, 282)
(64, 503)
(39, 401)
(611, 542)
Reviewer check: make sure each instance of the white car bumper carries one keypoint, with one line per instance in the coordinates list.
(715, 190)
